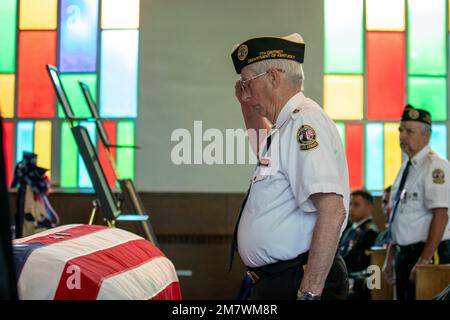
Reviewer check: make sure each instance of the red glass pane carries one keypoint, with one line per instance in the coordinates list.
(110, 128)
(36, 96)
(385, 52)
(354, 145)
(8, 131)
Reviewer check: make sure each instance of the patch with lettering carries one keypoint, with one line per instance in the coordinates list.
(438, 176)
(306, 137)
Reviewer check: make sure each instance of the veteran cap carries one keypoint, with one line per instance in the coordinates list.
(291, 47)
(412, 114)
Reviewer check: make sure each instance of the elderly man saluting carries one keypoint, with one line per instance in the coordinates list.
(418, 223)
(293, 214)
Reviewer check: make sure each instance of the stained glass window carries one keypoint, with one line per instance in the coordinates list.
(7, 95)
(343, 96)
(379, 18)
(427, 37)
(354, 143)
(35, 91)
(8, 17)
(79, 36)
(374, 150)
(43, 143)
(385, 74)
(72, 88)
(119, 14)
(71, 35)
(343, 36)
(404, 61)
(8, 143)
(110, 128)
(119, 61)
(38, 15)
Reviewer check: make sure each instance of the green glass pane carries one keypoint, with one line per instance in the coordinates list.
(344, 33)
(75, 95)
(8, 17)
(341, 129)
(69, 158)
(125, 156)
(427, 30)
(429, 94)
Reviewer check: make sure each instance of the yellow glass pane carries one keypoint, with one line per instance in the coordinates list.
(120, 14)
(7, 95)
(392, 153)
(385, 15)
(38, 15)
(43, 144)
(344, 96)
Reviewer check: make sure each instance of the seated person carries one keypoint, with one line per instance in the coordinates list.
(382, 239)
(357, 241)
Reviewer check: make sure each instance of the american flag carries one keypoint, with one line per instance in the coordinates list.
(92, 262)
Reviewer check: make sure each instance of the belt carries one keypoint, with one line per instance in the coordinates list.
(412, 247)
(259, 273)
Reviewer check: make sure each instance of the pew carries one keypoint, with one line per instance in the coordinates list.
(386, 292)
(431, 279)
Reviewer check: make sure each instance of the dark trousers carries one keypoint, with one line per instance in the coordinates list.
(405, 260)
(281, 280)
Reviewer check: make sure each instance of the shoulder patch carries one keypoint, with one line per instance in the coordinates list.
(438, 176)
(306, 137)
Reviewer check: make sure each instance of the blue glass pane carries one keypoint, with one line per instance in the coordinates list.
(78, 32)
(119, 73)
(438, 141)
(84, 181)
(374, 156)
(25, 138)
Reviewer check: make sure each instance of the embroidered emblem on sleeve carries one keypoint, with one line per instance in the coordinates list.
(438, 176)
(306, 137)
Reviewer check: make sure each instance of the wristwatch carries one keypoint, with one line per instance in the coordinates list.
(308, 295)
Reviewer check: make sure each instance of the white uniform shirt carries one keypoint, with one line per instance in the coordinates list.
(306, 157)
(426, 187)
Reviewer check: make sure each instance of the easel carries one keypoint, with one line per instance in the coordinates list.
(105, 199)
(126, 185)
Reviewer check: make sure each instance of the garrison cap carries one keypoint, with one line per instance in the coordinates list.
(412, 114)
(291, 47)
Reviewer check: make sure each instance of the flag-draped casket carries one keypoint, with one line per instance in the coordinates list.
(92, 262)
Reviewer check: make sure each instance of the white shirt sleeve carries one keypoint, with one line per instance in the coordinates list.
(437, 186)
(315, 158)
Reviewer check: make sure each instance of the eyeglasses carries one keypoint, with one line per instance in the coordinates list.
(244, 83)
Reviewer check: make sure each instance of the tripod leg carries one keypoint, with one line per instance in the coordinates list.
(91, 219)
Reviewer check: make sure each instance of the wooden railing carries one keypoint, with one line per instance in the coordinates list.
(386, 292)
(431, 279)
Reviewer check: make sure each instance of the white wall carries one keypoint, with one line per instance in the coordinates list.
(186, 74)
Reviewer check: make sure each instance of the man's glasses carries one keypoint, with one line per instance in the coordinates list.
(244, 83)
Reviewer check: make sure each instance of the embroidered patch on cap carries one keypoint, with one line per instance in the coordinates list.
(438, 176)
(242, 52)
(306, 137)
(414, 114)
